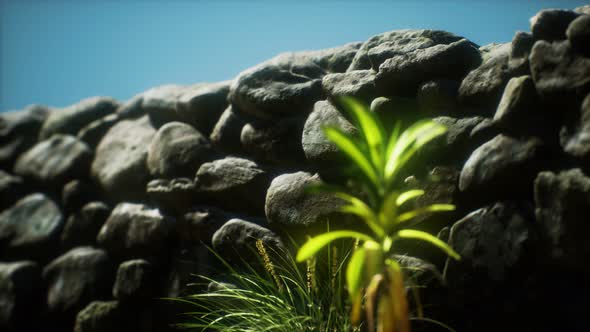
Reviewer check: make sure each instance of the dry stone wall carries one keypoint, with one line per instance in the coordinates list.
(108, 205)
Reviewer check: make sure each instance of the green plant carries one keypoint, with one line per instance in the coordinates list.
(284, 296)
(372, 271)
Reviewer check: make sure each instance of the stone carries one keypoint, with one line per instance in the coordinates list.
(395, 109)
(272, 141)
(76, 194)
(401, 74)
(83, 225)
(202, 105)
(176, 195)
(20, 285)
(562, 200)
(69, 120)
(77, 277)
(177, 150)
(438, 97)
(134, 281)
(238, 237)
(316, 146)
(158, 103)
(136, 231)
(93, 132)
(119, 165)
(200, 223)
(583, 10)
(288, 203)
(19, 131)
(235, 183)
(381, 47)
(481, 90)
(30, 228)
(359, 84)
(578, 34)
(12, 188)
(519, 105)
(456, 144)
(186, 265)
(560, 75)
(55, 161)
(576, 140)
(521, 46)
(225, 136)
(494, 243)
(101, 316)
(287, 84)
(502, 168)
(551, 24)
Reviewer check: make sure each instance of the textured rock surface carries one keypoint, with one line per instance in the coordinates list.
(30, 228)
(136, 230)
(55, 161)
(20, 285)
(100, 316)
(12, 188)
(177, 149)
(135, 281)
(76, 278)
(202, 105)
(238, 237)
(119, 164)
(234, 182)
(551, 24)
(18, 132)
(576, 141)
(83, 226)
(70, 120)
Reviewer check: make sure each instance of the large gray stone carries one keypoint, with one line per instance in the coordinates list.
(481, 89)
(551, 24)
(176, 195)
(238, 237)
(359, 84)
(93, 132)
(55, 161)
(225, 136)
(576, 140)
(135, 281)
(562, 201)
(77, 277)
(519, 105)
(521, 46)
(200, 223)
(578, 33)
(288, 203)
(381, 47)
(456, 144)
(101, 316)
(20, 285)
(83, 226)
(12, 188)
(136, 231)
(494, 242)
(276, 142)
(438, 97)
(560, 75)
(502, 168)
(202, 105)
(234, 183)
(287, 84)
(177, 150)
(76, 194)
(30, 229)
(159, 103)
(70, 120)
(119, 166)
(19, 131)
(401, 74)
(316, 146)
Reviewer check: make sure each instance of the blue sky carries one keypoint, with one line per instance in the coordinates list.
(58, 52)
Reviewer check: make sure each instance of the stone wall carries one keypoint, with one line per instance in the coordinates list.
(109, 205)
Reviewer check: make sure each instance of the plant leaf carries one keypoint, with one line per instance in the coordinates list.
(420, 235)
(370, 128)
(397, 295)
(358, 207)
(312, 246)
(427, 209)
(408, 195)
(371, 296)
(354, 281)
(353, 151)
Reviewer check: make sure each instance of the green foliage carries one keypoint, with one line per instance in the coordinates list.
(285, 296)
(378, 159)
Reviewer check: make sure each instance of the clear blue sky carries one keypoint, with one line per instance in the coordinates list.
(58, 52)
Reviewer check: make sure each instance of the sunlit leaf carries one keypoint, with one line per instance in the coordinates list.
(358, 207)
(313, 245)
(370, 128)
(353, 151)
(427, 209)
(419, 235)
(385, 315)
(408, 195)
(398, 296)
(370, 299)
(354, 281)
(388, 212)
